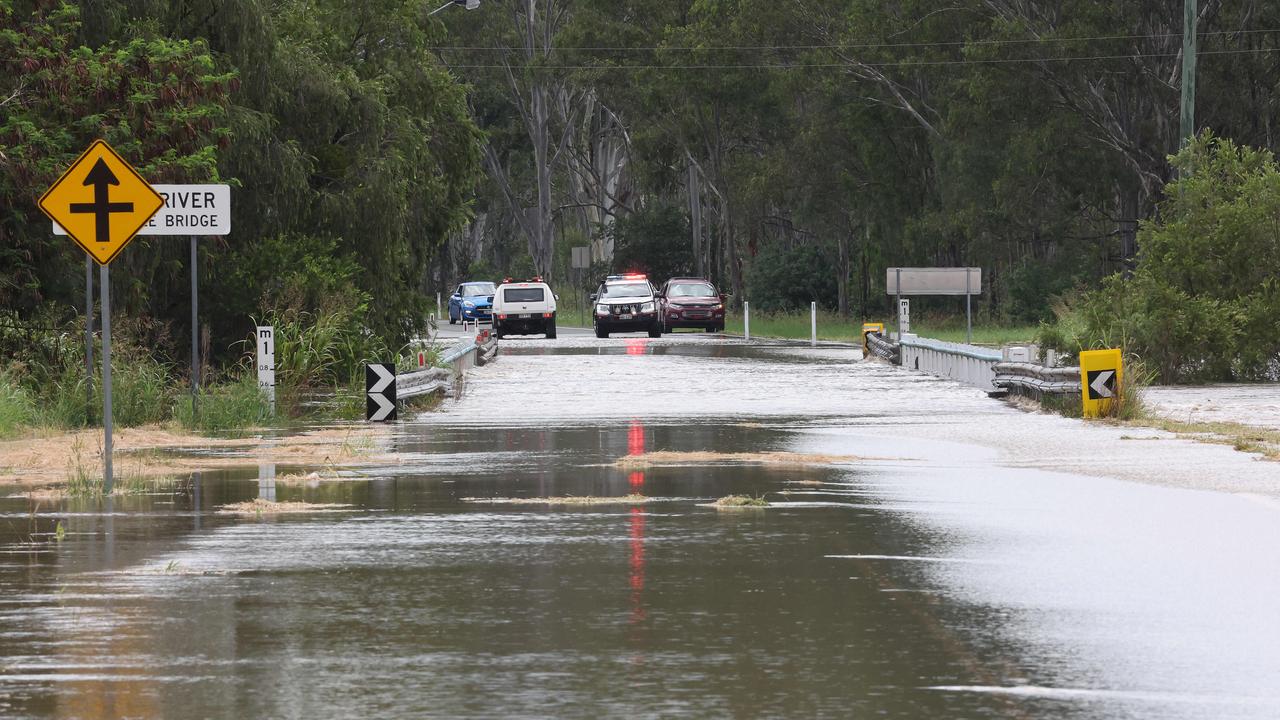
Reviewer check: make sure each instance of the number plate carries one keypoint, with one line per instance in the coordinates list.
(524, 315)
(624, 317)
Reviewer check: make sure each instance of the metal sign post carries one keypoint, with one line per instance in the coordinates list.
(195, 331)
(103, 203)
(88, 339)
(104, 279)
(897, 288)
(968, 309)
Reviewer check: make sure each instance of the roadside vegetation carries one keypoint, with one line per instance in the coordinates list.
(1202, 304)
(319, 376)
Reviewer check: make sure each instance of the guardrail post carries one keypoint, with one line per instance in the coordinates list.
(746, 319)
(813, 324)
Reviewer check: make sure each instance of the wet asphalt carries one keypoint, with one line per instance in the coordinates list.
(954, 557)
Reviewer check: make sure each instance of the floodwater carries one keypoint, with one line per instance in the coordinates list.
(942, 577)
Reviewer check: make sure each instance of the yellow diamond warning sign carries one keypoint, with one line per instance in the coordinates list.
(101, 202)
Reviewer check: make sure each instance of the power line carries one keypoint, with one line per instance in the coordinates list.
(887, 64)
(866, 45)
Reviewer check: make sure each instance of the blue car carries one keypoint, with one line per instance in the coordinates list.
(471, 301)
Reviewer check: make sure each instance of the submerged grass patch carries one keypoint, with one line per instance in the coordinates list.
(740, 501)
(632, 499)
(1244, 438)
(259, 507)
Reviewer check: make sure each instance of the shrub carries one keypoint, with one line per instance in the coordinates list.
(1203, 301)
(784, 279)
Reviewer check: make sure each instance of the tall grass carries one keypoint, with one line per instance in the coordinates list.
(17, 407)
(228, 406)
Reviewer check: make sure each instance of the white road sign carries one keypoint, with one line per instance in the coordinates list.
(904, 315)
(188, 210)
(932, 281)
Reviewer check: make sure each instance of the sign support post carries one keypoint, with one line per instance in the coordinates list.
(88, 338)
(104, 279)
(897, 286)
(968, 310)
(195, 332)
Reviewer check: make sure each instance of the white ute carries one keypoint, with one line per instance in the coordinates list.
(524, 308)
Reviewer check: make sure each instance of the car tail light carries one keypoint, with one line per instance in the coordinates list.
(546, 315)
(502, 317)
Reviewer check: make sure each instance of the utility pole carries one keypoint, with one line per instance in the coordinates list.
(1188, 124)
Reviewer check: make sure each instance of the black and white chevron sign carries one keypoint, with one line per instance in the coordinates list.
(380, 392)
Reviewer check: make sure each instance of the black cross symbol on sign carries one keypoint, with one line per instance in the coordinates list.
(1102, 384)
(101, 178)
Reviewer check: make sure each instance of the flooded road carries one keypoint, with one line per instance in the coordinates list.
(928, 552)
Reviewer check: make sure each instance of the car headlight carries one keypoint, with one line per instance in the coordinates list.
(675, 306)
(647, 307)
(468, 303)
(602, 309)
(717, 307)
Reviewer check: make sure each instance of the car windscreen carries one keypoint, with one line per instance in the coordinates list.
(695, 290)
(477, 290)
(627, 290)
(522, 294)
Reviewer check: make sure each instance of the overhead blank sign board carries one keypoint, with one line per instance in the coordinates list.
(934, 281)
(188, 210)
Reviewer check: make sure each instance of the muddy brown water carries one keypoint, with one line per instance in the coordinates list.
(899, 589)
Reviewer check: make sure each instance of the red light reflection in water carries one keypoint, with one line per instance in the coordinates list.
(636, 446)
(636, 346)
(637, 565)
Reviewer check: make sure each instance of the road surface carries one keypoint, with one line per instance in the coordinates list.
(928, 553)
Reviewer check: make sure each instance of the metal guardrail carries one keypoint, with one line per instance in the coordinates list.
(883, 347)
(966, 351)
(1036, 380)
(459, 351)
(980, 367)
(422, 382)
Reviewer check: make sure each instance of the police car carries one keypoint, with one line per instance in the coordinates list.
(626, 303)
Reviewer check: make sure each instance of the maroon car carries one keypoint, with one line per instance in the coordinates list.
(691, 303)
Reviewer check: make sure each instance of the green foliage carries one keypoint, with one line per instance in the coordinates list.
(1203, 302)
(17, 407)
(783, 279)
(234, 405)
(654, 240)
(159, 101)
